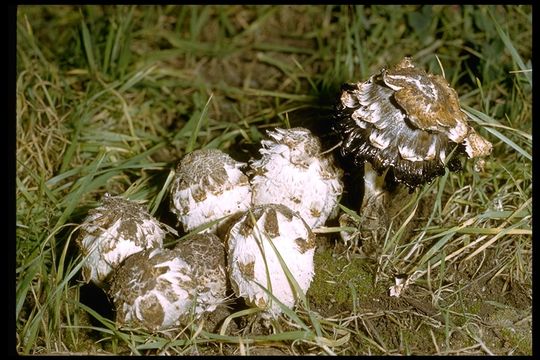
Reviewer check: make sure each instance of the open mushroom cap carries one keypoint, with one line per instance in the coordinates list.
(408, 120)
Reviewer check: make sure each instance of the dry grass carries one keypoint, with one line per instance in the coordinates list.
(110, 97)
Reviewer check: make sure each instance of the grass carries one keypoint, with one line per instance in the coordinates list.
(110, 97)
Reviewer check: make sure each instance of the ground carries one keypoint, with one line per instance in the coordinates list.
(110, 98)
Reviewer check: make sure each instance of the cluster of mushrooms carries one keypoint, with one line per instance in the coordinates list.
(253, 229)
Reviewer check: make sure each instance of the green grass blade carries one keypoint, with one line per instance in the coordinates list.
(511, 48)
(193, 138)
(88, 46)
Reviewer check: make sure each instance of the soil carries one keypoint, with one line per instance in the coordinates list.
(475, 309)
(493, 313)
(475, 315)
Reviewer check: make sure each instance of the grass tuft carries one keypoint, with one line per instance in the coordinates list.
(109, 98)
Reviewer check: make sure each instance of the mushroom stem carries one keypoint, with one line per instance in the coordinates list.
(373, 186)
(377, 188)
(402, 122)
(378, 200)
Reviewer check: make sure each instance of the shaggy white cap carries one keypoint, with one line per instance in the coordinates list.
(208, 185)
(114, 231)
(252, 260)
(406, 121)
(293, 172)
(153, 289)
(205, 253)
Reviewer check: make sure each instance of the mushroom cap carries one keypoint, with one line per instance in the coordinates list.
(113, 231)
(408, 120)
(207, 186)
(205, 253)
(153, 289)
(253, 261)
(293, 172)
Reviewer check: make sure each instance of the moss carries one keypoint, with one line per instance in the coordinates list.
(474, 307)
(520, 343)
(513, 328)
(338, 281)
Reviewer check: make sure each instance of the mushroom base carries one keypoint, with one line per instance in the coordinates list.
(382, 198)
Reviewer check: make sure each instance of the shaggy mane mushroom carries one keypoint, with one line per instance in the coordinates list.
(407, 121)
(403, 123)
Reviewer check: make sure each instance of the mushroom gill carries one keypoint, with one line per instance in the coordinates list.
(407, 121)
(401, 126)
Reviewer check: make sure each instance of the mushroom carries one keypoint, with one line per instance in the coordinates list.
(294, 172)
(205, 253)
(163, 288)
(208, 186)
(253, 265)
(154, 289)
(404, 123)
(113, 231)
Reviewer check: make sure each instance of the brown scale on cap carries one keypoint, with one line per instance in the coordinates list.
(153, 289)
(206, 255)
(203, 165)
(406, 120)
(208, 186)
